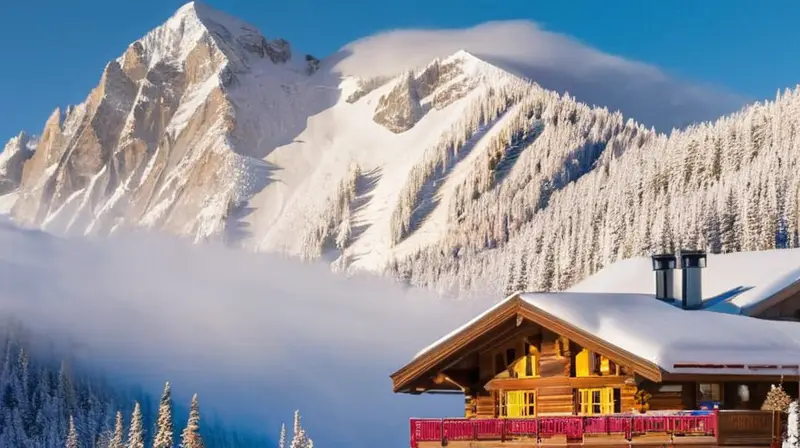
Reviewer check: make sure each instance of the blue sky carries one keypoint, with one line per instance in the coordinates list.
(54, 51)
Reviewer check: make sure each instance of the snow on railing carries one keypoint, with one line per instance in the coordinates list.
(574, 428)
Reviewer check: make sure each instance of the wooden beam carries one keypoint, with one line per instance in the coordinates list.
(440, 354)
(721, 378)
(487, 342)
(533, 383)
(646, 368)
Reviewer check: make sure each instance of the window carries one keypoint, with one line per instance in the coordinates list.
(517, 404)
(671, 388)
(709, 392)
(582, 363)
(605, 366)
(511, 355)
(527, 366)
(596, 401)
(587, 363)
(499, 363)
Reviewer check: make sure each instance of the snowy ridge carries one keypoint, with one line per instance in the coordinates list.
(210, 131)
(464, 172)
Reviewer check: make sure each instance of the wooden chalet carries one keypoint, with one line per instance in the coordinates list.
(608, 368)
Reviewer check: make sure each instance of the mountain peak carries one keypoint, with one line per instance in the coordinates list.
(208, 33)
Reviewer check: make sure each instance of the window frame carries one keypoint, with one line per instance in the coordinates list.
(716, 389)
(596, 401)
(523, 406)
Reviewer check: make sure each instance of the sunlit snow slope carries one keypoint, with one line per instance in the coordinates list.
(206, 129)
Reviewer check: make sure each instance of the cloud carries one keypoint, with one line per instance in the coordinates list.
(553, 60)
(255, 335)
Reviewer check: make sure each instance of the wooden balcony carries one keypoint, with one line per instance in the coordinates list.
(699, 428)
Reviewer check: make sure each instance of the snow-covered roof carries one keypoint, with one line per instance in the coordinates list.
(676, 340)
(669, 336)
(734, 282)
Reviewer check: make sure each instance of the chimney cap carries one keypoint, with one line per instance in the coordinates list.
(663, 262)
(693, 258)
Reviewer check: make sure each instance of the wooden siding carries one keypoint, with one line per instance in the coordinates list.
(485, 405)
(554, 356)
(554, 400)
(753, 428)
(627, 398)
(663, 398)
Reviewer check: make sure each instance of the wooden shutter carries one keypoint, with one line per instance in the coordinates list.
(582, 363)
(607, 400)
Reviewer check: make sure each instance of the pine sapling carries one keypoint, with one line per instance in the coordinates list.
(72, 436)
(136, 431)
(190, 438)
(117, 440)
(164, 428)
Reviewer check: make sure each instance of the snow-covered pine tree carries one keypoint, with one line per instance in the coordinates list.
(299, 437)
(191, 438)
(792, 439)
(118, 439)
(511, 279)
(777, 399)
(72, 435)
(164, 427)
(282, 439)
(136, 431)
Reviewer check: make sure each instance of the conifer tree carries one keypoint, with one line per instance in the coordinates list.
(190, 438)
(299, 439)
(164, 427)
(136, 431)
(72, 436)
(777, 399)
(282, 439)
(117, 440)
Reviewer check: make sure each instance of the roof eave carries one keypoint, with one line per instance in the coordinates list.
(411, 371)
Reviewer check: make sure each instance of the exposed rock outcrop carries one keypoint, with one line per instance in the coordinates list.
(16, 152)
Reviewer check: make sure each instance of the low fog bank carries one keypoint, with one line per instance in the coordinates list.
(255, 335)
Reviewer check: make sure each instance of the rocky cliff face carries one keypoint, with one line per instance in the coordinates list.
(151, 143)
(16, 152)
(205, 128)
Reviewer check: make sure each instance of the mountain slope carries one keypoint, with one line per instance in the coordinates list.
(455, 174)
(206, 129)
(727, 186)
(153, 143)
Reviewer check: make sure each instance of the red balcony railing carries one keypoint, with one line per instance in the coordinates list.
(574, 428)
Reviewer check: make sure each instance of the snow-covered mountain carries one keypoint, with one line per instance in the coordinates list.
(457, 173)
(205, 128)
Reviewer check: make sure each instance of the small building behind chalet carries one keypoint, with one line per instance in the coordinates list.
(566, 359)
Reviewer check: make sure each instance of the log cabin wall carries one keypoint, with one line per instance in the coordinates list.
(667, 396)
(555, 361)
(627, 397)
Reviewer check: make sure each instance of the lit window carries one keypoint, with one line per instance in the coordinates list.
(596, 401)
(517, 404)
